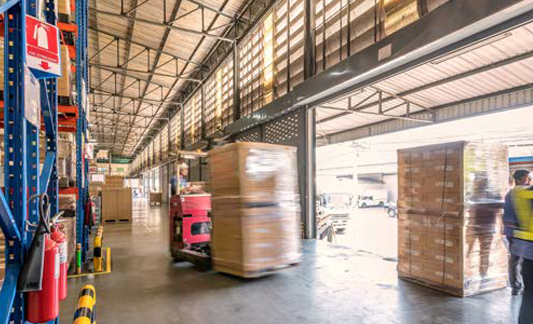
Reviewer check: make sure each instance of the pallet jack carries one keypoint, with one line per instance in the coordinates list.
(190, 222)
(190, 229)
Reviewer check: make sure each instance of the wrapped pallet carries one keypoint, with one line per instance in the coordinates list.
(450, 203)
(116, 204)
(67, 225)
(255, 210)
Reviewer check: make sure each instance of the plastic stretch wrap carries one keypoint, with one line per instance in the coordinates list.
(450, 216)
(67, 202)
(255, 208)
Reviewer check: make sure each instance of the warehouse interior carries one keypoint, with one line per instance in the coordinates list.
(263, 161)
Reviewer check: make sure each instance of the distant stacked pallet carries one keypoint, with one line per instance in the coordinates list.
(116, 201)
(449, 223)
(156, 198)
(256, 223)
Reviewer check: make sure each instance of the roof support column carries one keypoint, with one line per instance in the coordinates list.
(307, 170)
(309, 39)
(236, 84)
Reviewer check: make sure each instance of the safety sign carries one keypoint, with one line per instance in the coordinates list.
(42, 48)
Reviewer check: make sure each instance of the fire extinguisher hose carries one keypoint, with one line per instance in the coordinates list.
(85, 313)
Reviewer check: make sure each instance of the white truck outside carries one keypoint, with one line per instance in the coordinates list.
(373, 198)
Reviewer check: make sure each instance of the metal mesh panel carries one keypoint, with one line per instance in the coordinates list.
(284, 130)
(253, 135)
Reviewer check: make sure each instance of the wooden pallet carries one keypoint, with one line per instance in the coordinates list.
(117, 221)
(450, 290)
(254, 274)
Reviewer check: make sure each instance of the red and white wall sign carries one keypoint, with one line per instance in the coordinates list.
(42, 48)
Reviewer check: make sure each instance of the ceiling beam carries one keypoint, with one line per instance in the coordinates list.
(110, 34)
(123, 73)
(112, 68)
(113, 111)
(100, 92)
(160, 24)
(348, 111)
(163, 43)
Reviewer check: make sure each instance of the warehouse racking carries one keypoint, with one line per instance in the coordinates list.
(23, 176)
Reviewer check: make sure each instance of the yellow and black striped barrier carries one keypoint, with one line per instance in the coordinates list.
(97, 255)
(86, 311)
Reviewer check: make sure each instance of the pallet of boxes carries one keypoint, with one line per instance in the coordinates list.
(116, 201)
(450, 216)
(156, 198)
(255, 209)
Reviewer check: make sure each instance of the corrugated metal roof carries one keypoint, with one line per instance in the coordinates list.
(500, 63)
(124, 55)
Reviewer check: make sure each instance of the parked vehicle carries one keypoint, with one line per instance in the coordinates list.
(338, 206)
(392, 209)
(373, 198)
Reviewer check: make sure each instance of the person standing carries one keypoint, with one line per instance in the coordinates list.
(519, 218)
(522, 179)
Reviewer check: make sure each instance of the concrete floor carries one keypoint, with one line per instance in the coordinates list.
(333, 285)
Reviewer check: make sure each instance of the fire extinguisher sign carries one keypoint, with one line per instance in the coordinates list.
(42, 48)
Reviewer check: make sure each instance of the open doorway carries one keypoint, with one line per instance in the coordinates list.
(357, 181)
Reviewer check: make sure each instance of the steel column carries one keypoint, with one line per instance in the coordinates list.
(307, 170)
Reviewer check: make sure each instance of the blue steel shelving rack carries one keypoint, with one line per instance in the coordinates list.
(82, 87)
(23, 176)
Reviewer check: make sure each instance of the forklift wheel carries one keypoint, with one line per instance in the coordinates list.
(175, 257)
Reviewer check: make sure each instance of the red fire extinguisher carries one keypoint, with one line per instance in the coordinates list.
(43, 305)
(61, 239)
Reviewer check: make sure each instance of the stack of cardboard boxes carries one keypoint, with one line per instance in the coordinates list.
(256, 219)
(156, 198)
(116, 200)
(66, 158)
(449, 221)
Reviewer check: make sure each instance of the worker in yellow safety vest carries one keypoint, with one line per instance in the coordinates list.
(518, 217)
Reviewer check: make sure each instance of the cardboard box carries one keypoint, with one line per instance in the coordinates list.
(116, 204)
(94, 190)
(449, 217)
(63, 9)
(256, 226)
(114, 181)
(64, 87)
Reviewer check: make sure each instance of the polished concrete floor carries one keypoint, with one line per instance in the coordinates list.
(333, 285)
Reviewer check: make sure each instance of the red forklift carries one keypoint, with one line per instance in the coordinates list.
(190, 222)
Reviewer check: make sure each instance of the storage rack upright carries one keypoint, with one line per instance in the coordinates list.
(23, 176)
